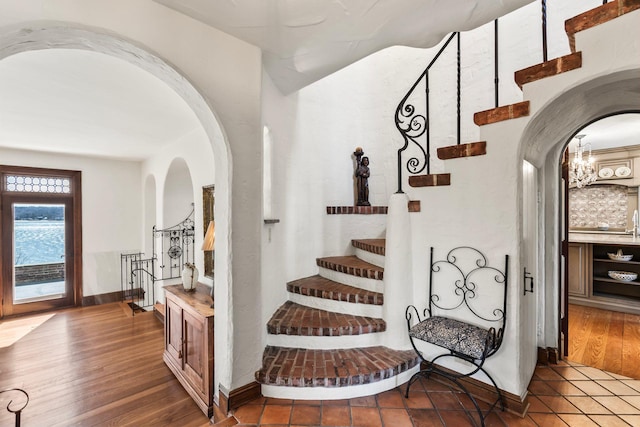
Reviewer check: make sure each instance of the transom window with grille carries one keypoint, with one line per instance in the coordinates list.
(37, 184)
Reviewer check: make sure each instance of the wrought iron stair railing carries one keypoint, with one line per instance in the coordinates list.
(412, 118)
(172, 247)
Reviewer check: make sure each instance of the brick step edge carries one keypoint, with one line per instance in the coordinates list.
(597, 16)
(351, 265)
(299, 367)
(375, 246)
(550, 68)
(299, 320)
(463, 150)
(431, 180)
(499, 114)
(321, 287)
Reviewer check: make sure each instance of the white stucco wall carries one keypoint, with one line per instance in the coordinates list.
(111, 211)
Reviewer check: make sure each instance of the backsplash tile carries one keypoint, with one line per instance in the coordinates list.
(593, 204)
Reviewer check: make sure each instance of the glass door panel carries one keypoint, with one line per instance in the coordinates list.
(38, 252)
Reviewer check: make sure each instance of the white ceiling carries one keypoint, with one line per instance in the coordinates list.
(81, 102)
(616, 131)
(305, 40)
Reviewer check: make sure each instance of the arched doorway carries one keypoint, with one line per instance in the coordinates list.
(544, 141)
(602, 311)
(51, 35)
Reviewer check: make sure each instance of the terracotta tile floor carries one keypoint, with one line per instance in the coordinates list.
(567, 394)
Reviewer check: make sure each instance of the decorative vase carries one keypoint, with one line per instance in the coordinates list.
(189, 277)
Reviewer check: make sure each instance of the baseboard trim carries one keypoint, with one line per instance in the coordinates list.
(548, 355)
(102, 298)
(109, 297)
(485, 392)
(227, 402)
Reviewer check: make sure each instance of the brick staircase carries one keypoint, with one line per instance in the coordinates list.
(327, 336)
(329, 333)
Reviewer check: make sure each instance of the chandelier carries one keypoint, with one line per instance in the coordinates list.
(582, 171)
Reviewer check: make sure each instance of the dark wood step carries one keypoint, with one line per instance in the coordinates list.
(597, 16)
(463, 150)
(499, 114)
(550, 68)
(296, 319)
(320, 287)
(299, 367)
(375, 246)
(431, 180)
(351, 265)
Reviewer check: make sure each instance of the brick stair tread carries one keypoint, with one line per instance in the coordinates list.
(299, 367)
(463, 150)
(321, 287)
(430, 180)
(351, 265)
(498, 114)
(597, 16)
(296, 319)
(376, 246)
(549, 68)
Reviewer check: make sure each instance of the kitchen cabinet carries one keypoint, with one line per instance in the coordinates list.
(589, 265)
(625, 293)
(189, 342)
(579, 269)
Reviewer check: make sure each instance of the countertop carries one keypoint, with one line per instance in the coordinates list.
(602, 238)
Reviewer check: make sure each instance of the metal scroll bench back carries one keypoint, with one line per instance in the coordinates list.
(466, 316)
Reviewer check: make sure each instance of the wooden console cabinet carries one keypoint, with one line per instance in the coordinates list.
(188, 337)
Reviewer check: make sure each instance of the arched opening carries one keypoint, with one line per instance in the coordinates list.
(177, 197)
(44, 36)
(600, 294)
(544, 141)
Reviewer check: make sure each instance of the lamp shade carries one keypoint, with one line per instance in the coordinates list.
(209, 237)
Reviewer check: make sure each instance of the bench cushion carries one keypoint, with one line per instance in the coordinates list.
(452, 334)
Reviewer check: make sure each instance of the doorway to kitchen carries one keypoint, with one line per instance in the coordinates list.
(600, 297)
(40, 235)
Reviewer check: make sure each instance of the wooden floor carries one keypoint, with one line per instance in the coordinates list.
(92, 366)
(606, 340)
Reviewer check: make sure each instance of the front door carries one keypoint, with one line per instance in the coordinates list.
(39, 240)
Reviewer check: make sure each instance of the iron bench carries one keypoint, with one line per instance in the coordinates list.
(466, 290)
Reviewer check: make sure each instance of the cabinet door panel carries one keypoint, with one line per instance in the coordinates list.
(195, 351)
(173, 319)
(577, 269)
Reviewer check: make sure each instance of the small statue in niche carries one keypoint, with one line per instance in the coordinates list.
(362, 177)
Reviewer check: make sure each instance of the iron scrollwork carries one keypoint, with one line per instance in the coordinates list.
(464, 285)
(16, 409)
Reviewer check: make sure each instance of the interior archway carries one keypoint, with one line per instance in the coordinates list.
(50, 35)
(543, 143)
